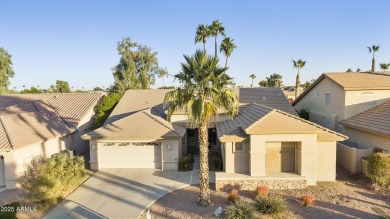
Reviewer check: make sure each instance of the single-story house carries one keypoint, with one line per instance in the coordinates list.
(41, 125)
(334, 97)
(266, 141)
(370, 129)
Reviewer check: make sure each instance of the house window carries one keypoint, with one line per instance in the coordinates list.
(327, 98)
(239, 147)
(318, 93)
(191, 133)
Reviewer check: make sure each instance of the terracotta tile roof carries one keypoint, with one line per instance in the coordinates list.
(258, 119)
(353, 81)
(137, 126)
(33, 118)
(375, 120)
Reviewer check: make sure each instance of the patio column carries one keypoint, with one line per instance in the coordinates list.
(257, 156)
(309, 159)
(229, 158)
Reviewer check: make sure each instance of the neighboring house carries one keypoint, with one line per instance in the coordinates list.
(371, 128)
(266, 142)
(41, 125)
(337, 96)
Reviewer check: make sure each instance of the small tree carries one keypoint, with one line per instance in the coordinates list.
(378, 168)
(6, 70)
(47, 179)
(104, 108)
(263, 83)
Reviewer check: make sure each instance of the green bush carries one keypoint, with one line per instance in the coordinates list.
(104, 108)
(239, 210)
(185, 162)
(378, 169)
(48, 179)
(304, 114)
(9, 211)
(270, 205)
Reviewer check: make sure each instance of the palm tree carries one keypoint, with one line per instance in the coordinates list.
(373, 49)
(215, 29)
(162, 73)
(227, 47)
(298, 65)
(202, 33)
(253, 76)
(204, 91)
(384, 66)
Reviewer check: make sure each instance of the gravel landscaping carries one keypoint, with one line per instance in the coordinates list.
(349, 197)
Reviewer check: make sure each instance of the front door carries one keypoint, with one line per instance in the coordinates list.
(280, 157)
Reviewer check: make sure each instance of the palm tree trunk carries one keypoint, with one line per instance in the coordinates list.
(226, 61)
(204, 46)
(204, 194)
(297, 83)
(216, 45)
(373, 64)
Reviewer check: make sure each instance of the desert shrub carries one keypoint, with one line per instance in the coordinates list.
(104, 108)
(9, 211)
(239, 209)
(270, 205)
(48, 179)
(304, 114)
(234, 196)
(185, 162)
(261, 191)
(378, 169)
(307, 200)
(215, 162)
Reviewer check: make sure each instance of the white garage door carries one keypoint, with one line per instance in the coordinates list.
(130, 155)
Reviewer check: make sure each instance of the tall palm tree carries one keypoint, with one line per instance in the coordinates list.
(215, 29)
(202, 33)
(227, 47)
(384, 66)
(253, 76)
(162, 73)
(204, 91)
(373, 49)
(298, 65)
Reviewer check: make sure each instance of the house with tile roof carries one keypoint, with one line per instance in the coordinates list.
(371, 128)
(265, 143)
(334, 97)
(41, 125)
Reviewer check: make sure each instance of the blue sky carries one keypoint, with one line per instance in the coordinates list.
(76, 40)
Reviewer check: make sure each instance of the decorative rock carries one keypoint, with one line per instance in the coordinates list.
(218, 212)
(252, 183)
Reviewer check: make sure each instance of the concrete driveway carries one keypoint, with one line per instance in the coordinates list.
(120, 193)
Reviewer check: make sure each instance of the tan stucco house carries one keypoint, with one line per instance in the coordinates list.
(334, 97)
(371, 128)
(41, 125)
(265, 143)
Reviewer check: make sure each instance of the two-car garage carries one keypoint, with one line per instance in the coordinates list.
(130, 155)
